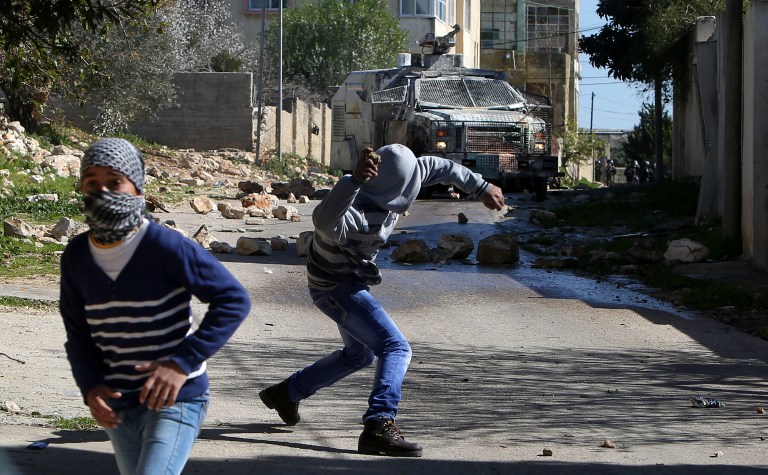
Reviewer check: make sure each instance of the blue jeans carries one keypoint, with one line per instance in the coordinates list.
(368, 332)
(156, 442)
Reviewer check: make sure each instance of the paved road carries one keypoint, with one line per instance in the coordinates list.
(508, 361)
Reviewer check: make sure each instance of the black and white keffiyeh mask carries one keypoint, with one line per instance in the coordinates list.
(112, 216)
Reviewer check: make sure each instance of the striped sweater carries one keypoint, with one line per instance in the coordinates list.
(145, 313)
(350, 227)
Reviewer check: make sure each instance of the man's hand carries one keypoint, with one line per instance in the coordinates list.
(493, 198)
(96, 399)
(163, 385)
(367, 166)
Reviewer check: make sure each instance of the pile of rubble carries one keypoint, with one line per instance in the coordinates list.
(226, 171)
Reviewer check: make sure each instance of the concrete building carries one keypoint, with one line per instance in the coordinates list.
(536, 44)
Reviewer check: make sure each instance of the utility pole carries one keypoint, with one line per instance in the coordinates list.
(280, 91)
(261, 81)
(592, 138)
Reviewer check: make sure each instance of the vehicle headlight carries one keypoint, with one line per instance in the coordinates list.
(538, 147)
(441, 146)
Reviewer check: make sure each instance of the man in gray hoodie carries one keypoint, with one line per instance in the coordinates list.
(352, 222)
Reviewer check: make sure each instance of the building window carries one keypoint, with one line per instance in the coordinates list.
(442, 10)
(467, 15)
(257, 5)
(547, 29)
(498, 25)
(416, 8)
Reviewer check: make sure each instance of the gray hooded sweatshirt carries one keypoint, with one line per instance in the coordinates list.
(353, 221)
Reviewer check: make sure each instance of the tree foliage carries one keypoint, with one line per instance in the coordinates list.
(579, 147)
(324, 42)
(37, 35)
(133, 64)
(641, 144)
(646, 41)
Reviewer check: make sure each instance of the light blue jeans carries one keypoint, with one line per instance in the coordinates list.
(156, 442)
(368, 332)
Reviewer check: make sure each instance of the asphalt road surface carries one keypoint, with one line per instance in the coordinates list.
(507, 362)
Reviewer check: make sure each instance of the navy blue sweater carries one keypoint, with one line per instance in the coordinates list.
(145, 314)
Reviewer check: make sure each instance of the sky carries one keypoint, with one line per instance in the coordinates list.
(616, 104)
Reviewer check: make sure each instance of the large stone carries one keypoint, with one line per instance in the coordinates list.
(301, 186)
(247, 246)
(233, 212)
(14, 227)
(459, 246)
(412, 250)
(261, 200)
(66, 228)
(220, 247)
(285, 213)
(498, 249)
(250, 186)
(203, 236)
(542, 217)
(303, 242)
(686, 250)
(202, 204)
(278, 243)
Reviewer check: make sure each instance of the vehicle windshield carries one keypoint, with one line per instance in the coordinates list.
(456, 93)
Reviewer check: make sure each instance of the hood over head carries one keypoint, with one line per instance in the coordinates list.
(398, 182)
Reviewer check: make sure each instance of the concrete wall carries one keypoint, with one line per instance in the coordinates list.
(217, 110)
(755, 136)
(700, 139)
(305, 130)
(213, 110)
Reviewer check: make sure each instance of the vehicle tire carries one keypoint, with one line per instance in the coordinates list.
(540, 188)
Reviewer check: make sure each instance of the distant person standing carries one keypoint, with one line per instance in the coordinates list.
(630, 172)
(610, 173)
(126, 292)
(351, 224)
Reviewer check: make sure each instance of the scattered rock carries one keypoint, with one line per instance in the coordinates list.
(686, 250)
(547, 452)
(15, 227)
(411, 251)
(303, 242)
(458, 246)
(540, 216)
(202, 204)
(247, 246)
(285, 213)
(279, 244)
(498, 249)
(608, 444)
(463, 218)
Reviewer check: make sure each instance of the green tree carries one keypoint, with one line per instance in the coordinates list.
(646, 41)
(132, 65)
(641, 142)
(36, 34)
(579, 147)
(324, 42)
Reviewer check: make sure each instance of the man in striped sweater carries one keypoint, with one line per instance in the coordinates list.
(126, 289)
(353, 221)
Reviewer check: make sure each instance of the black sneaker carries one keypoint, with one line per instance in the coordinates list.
(276, 397)
(382, 437)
